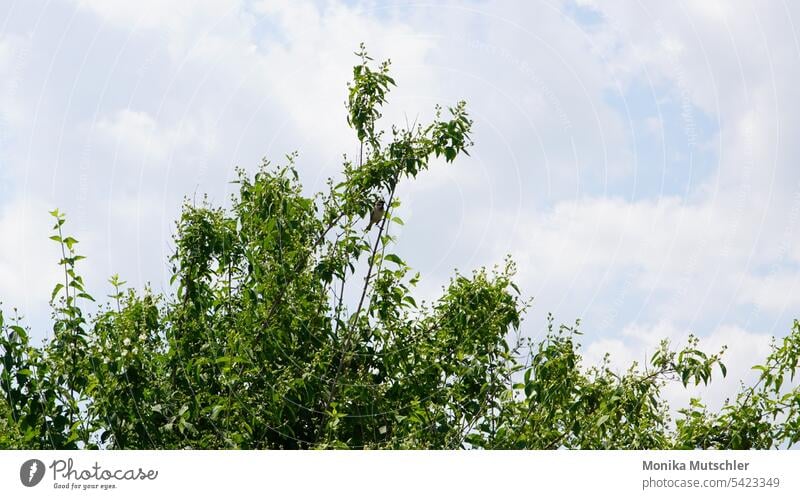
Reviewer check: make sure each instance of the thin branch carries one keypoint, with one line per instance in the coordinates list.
(374, 252)
(354, 317)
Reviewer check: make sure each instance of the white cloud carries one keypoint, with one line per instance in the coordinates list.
(13, 57)
(701, 255)
(180, 22)
(674, 252)
(776, 292)
(137, 132)
(140, 136)
(28, 260)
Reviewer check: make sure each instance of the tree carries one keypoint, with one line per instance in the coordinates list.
(290, 327)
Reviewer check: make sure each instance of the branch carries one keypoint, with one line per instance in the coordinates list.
(354, 318)
(374, 252)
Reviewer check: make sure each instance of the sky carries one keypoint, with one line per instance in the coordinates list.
(636, 159)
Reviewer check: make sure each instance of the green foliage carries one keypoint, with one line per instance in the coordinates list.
(762, 416)
(291, 327)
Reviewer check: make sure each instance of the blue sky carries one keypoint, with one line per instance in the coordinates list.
(637, 159)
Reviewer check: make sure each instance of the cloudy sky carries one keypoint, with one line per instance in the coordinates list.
(637, 159)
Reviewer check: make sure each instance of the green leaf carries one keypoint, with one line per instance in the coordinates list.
(215, 412)
(58, 287)
(70, 241)
(394, 259)
(410, 300)
(21, 333)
